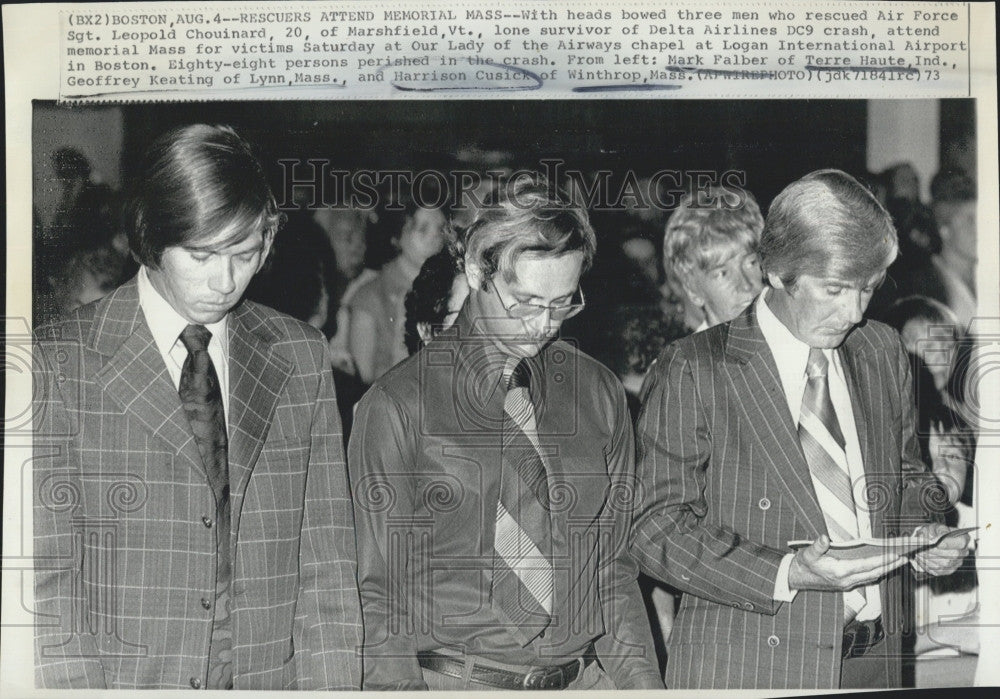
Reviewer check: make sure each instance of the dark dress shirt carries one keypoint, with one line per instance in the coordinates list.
(425, 465)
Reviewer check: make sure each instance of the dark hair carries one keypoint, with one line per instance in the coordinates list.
(827, 224)
(292, 280)
(919, 308)
(427, 299)
(69, 163)
(952, 186)
(195, 184)
(637, 333)
(951, 191)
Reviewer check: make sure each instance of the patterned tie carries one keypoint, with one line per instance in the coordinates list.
(201, 397)
(824, 447)
(522, 560)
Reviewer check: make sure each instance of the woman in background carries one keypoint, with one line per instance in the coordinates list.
(376, 311)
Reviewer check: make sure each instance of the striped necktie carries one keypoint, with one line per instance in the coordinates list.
(522, 560)
(825, 450)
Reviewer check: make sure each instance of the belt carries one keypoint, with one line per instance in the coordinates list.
(861, 636)
(554, 677)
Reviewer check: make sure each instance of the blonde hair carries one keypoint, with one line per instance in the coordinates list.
(703, 228)
(526, 215)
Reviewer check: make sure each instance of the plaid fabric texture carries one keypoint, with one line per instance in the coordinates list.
(124, 527)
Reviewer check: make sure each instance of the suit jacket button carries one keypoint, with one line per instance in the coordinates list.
(195, 683)
(764, 504)
(207, 521)
(205, 604)
(773, 641)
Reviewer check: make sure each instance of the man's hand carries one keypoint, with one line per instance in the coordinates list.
(947, 556)
(813, 569)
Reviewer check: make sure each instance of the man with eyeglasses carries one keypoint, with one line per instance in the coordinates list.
(493, 473)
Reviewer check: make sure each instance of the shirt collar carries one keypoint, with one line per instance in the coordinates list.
(790, 353)
(167, 324)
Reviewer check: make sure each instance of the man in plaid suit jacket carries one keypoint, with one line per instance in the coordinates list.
(130, 587)
(727, 472)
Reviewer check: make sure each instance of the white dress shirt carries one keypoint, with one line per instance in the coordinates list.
(791, 356)
(166, 324)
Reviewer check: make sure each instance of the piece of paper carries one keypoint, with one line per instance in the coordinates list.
(896, 546)
(660, 89)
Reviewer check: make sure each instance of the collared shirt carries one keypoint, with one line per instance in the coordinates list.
(166, 324)
(791, 356)
(425, 462)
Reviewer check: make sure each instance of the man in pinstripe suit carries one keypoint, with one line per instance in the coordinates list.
(192, 525)
(792, 421)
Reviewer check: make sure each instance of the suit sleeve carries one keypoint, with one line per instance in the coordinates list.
(379, 453)
(328, 614)
(674, 537)
(66, 654)
(626, 649)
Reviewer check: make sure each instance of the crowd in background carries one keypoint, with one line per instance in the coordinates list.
(379, 283)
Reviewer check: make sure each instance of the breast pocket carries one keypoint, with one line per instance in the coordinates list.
(276, 488)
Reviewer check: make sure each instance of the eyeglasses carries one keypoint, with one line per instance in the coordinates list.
(526, 311)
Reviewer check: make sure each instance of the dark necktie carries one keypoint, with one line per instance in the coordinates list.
(201, 397)
(522, 560)
(824, 447)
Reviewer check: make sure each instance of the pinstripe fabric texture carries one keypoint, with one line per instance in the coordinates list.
(726, 485)
(123, 517)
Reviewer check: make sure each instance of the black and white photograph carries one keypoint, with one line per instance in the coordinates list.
(270, 334)
(431, 347)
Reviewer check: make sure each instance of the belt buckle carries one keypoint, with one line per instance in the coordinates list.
(543, 678)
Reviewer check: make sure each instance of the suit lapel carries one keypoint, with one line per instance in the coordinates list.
(757, 386)
(135, 376)
(856, 365)
(256, 378)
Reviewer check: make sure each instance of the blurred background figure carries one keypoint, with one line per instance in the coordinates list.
(636, 334)
(435, 299)
(902, 182)
(930, 334)
(85, 212)
(292, 280)
(377, 313)
(710, 249)
(490, 165)
(346, 232)
(932, 337)
(82, 275)
(954, 281)
(82, 254)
